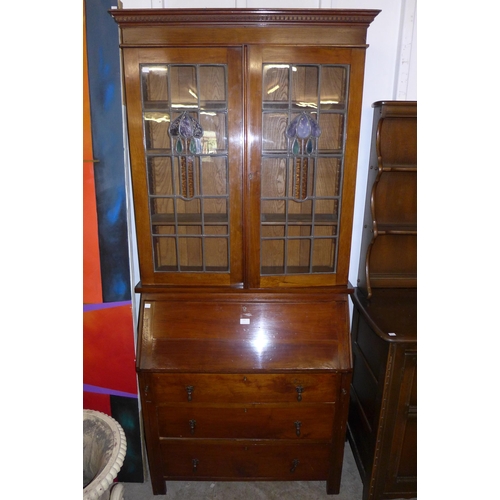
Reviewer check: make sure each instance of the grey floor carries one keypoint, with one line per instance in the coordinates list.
(350, 488)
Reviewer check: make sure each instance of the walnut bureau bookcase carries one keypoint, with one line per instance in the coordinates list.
(243, 131)
(382, 424)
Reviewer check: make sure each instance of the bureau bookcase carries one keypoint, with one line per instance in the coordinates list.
(243, 130)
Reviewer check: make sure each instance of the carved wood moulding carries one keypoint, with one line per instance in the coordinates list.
(243, 16)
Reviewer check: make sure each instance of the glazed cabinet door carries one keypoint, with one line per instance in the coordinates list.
(304, 107)
(185, 137)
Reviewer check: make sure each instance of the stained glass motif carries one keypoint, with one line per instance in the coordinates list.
(186, 133)
(304, 111)
(185, 110)
(302, 132)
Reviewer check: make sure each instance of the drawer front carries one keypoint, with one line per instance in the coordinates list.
(204, 459)
(224, 320)
(247, 422)
(240, 388)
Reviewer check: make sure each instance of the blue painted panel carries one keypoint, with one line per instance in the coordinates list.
(107, 137)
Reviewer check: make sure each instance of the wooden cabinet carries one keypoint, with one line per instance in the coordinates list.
(383, 408)
(382, 424)
(243, 134)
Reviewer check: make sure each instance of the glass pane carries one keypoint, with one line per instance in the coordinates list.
(214, 132)
(161, 206)
(156, 126)
(273, 256)
(273, 177)
(333, 138)
(299, 255)
(216, 254)
(273, 131)
(215, 210)
(216, 230)
(305, 81)
(300, 212)
(190, 250)
(299, 231)
(273, 231)
(184, 86)
(165, 253)
(214, 176)
(154, 83)
(160, 176)
(275, 84)
(333, 87)
(328, 177)
(212, 87)
(326, 230)
(328, 208)
(273, 211)
(188, 209)
(324, 255)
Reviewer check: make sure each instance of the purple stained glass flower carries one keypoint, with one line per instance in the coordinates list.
(303, 126)
(185, 126)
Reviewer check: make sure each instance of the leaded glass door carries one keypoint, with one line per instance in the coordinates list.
(187, 167)
(300, 165)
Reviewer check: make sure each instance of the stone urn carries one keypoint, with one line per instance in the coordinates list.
(104, 448)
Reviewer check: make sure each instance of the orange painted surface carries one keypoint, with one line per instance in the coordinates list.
(92, 289)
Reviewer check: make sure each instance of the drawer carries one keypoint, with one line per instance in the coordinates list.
(260, 421)
(206, 459)
(241, 388)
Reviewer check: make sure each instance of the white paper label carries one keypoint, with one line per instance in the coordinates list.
(244, 321)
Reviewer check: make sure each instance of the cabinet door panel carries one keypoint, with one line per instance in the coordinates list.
(304, 106)
(184, 115)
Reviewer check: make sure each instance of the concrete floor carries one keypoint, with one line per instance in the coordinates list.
(350, 488)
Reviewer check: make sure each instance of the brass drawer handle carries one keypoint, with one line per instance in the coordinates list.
(195, 464)
(189, 390)
(298, 424)
(192, 425)
(295, 463)
(299, 390)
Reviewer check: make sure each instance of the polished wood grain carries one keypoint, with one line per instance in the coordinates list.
(238, 460)
(389, 240)
(255, 421)
(244, 388)
(383, 408)
(244, 370)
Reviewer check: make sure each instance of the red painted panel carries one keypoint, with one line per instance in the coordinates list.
(108, 349)
(97, 402)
